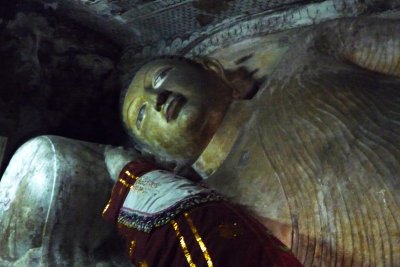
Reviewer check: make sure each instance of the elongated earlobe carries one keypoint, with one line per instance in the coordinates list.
(213, 65)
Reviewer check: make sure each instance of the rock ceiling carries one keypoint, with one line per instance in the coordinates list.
(170, 26)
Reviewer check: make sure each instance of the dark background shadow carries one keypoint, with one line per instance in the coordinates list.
(56, 77)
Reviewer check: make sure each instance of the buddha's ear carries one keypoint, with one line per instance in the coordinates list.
(213, 65)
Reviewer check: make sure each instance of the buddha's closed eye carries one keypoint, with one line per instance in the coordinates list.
(140, 116)
(160, 77)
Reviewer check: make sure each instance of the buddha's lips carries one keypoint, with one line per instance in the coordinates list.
(173, 106)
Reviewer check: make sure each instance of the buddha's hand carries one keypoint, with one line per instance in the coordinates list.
(117, 157)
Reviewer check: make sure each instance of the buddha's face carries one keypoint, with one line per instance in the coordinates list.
(173, 108)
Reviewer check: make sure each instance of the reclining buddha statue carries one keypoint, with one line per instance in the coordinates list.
(314, 153)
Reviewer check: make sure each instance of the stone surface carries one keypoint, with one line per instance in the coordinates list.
(156, 20)
(56, 78)
(60, 59)
(320, 141)
(227, 22)
(51, 198)
(60, 77)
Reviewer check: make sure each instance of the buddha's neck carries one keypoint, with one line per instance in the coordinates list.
(223, 140)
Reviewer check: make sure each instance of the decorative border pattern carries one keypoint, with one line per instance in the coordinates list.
(147, 223)
(232, 30)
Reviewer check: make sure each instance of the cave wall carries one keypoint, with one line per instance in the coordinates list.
(57, 77)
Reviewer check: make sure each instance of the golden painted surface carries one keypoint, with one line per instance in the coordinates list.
(316, 152)
(132, 246)
(183, 244)
(318, 158)
(124, 183)
(199, 240)
(173, 108)
(229, 230)
(106, 208)
(131, 175)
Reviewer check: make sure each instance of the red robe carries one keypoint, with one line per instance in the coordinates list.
(215, 233)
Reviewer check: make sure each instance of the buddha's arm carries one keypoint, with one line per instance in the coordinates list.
(117, 157)
(371, 43)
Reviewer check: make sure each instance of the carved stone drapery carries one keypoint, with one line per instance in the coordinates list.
(226, 30)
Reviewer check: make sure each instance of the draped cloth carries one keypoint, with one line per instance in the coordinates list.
(184, 224)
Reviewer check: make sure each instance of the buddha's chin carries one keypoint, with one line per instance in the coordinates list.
(190, 120)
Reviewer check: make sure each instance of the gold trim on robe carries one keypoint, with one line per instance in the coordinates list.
(199, 240)
(183, 244)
